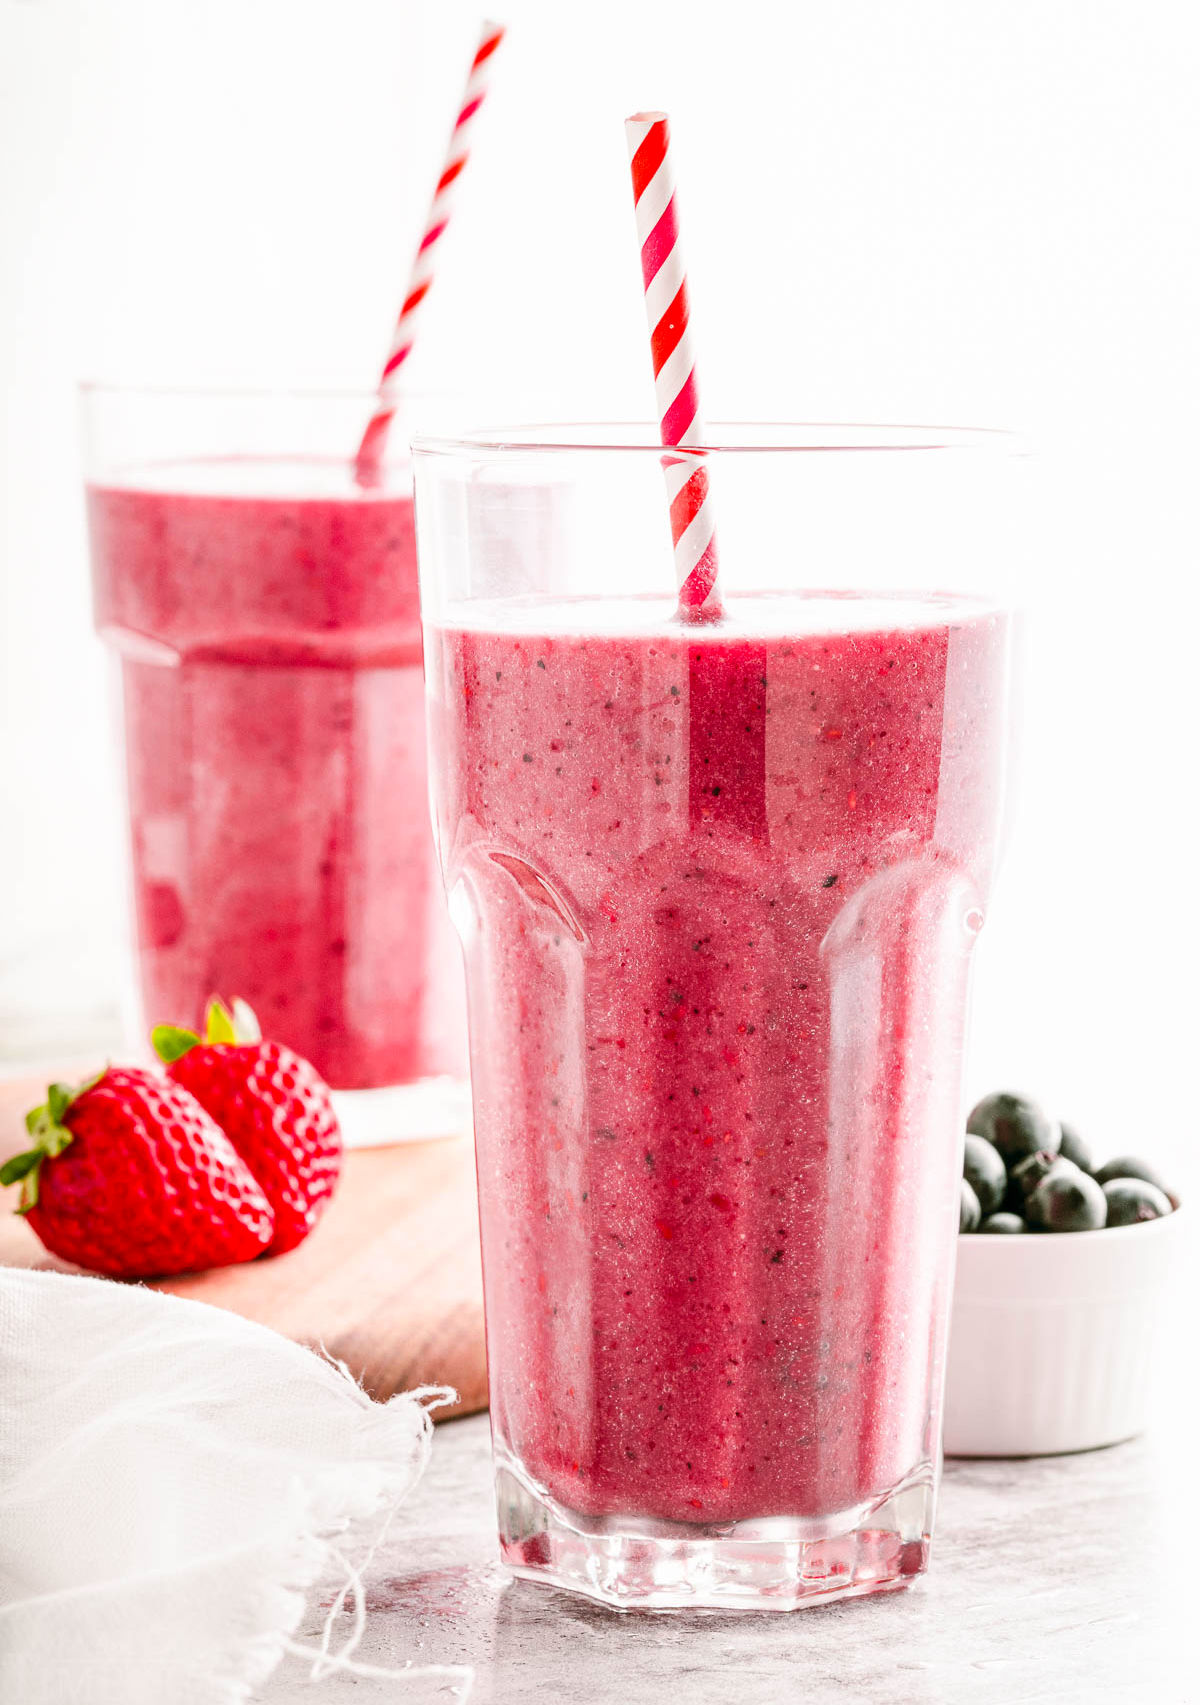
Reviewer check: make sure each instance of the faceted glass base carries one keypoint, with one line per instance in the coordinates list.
(780, 1563)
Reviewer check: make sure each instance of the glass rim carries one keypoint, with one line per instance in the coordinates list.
(365, 394)
(722, 439)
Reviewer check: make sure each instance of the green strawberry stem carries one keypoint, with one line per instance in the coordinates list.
(222, 1028)
(50, 1138)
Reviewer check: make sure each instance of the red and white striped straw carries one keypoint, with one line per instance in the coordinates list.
(676, 392)
(374, 439)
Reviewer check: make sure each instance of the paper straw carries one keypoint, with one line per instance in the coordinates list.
(374, 439)
(676, 392)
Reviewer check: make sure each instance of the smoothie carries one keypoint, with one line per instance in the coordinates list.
(718, 890)
(267, 624)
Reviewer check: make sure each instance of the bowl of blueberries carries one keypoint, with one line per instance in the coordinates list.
(1062, 1265)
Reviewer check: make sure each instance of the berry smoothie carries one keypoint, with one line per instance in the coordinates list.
(718, 890)
(267, 623)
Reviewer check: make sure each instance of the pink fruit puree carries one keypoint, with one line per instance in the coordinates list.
(718, 890)
(275, 753)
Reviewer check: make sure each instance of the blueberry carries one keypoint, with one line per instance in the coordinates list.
(1132, 1200)
(1014, 1125)
(1014, 1196)
(1067, 1200)
(1004, 1224)
(984, 1172)
(968, 1208)
(1128, 1166)
(1028, 1173)
(1074, 1148)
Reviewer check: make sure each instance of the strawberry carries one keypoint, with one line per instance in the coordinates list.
(271, 1104)
(129, 1176)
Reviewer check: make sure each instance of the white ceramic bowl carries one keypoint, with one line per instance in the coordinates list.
(1053, 1338)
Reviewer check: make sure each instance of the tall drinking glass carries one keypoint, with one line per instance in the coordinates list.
(718, 889)
(264, 611)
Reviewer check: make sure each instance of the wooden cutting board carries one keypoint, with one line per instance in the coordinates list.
(388, 1281)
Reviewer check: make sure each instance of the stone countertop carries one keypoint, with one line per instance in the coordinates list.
(1060, 1579)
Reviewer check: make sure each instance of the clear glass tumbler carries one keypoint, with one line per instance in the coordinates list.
(264, 611)
(718, 889)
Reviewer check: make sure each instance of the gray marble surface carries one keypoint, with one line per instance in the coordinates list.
(1064, 1579)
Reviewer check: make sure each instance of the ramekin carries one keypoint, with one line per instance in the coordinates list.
(1053, 1338)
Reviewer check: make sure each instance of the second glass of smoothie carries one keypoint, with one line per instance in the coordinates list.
(718, 889)
(264, 611)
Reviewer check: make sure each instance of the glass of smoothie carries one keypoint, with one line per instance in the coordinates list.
(263, 609)
(718, 888)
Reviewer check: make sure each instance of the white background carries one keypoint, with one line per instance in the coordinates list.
(932, 210)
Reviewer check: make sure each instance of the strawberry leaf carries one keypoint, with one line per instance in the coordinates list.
(50, 1137)
(220, 1026)
(245, 1023)
(20, 1166)
(26, 1168)
(171, 1043)
(59, 1099)
(23, 1169)
(54, 1139)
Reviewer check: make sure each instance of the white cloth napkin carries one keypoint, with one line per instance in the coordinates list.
(173, 1482)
